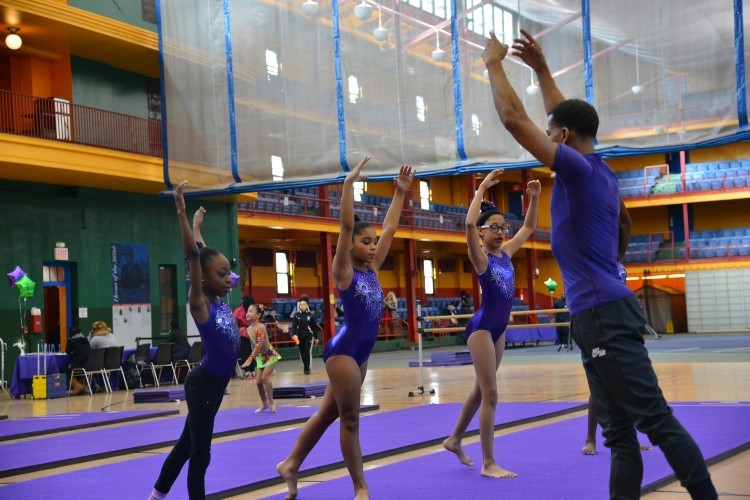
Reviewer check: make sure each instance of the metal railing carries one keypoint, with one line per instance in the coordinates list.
(58, 120)
(280, 205)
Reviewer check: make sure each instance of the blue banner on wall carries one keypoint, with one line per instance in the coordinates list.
(130, 276)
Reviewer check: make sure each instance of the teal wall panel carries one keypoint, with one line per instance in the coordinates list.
(88, 220)
(105, 87)
(126, 11)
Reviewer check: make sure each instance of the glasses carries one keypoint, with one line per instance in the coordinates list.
(495, 228)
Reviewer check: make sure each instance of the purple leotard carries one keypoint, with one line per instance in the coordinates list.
(498, 288)
(363, 307)
(221, 340)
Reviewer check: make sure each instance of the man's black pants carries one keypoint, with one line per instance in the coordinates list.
(627, 397)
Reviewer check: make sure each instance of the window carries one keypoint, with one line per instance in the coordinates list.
(491, 17)
(476, 123)
(167, 295)
(429, 277)
(153, 98)
(53, 274)
(438, 8)
(272, 64)
(421, 109)
(424, 195)
(148, 11)
(359, 190)
(277, 168)
(355, 91)
(282, 273)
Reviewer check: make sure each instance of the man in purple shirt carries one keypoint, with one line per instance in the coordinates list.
(606, 319)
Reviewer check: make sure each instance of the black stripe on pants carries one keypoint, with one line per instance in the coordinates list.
(627, 397)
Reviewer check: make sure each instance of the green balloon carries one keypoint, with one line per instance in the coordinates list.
(25, 287)
(551, 284)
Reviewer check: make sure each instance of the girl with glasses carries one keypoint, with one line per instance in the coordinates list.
(485, 332)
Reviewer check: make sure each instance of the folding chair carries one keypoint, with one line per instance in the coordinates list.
(113, 363)
(162, 359)
(194, 357)
(94, 365)
(142, 357)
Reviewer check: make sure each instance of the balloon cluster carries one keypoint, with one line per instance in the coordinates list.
(21, 282)
(25, 287)
(551, 285)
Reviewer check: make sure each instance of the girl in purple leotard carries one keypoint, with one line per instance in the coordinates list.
(485, 332)
(359, 255)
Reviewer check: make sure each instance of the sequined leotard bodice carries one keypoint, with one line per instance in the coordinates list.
(363, 308)
(498, 289)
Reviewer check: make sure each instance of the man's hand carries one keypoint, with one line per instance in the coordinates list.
(494, 51)
(529, 51)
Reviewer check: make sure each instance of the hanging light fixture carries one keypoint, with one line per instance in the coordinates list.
(533, 88)
(380, 33)
(438, 53)
(637, 88)
(311, 8)
(13, 40)
(363, 11)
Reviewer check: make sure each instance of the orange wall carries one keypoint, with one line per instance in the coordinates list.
(649, 220)
(633, 162)
(729, 152)
(721, 215)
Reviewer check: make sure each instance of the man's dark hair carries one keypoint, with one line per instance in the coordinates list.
(578, 116)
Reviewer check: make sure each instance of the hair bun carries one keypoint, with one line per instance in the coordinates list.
(487, 206)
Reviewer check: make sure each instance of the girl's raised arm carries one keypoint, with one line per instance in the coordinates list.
(390, 223)
(342, 264)
(533, 189)
(196, 298)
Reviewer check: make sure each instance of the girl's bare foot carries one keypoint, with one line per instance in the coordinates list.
(645, 448)
(589, 448)
(290, 477)
(454, 446)
(260, 410)
(494, 470)
(363, 494)
(273, 408)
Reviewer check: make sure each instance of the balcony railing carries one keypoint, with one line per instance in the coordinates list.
(286, 206)
(58, 120)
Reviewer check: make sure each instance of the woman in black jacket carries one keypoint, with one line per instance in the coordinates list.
(304, 333)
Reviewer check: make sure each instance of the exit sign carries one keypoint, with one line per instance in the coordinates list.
(61, 254)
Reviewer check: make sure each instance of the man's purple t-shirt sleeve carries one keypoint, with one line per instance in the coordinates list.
(570, 165)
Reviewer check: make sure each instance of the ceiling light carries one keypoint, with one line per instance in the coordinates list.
(13, 41)
(532, 89)
(637, 89)
(380, 33)
(311, 8)
(363, 11)
(438, 53)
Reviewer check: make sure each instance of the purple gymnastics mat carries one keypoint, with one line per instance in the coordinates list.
(54, 451)
(382, 434)
(50, 424)
(548, 461)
